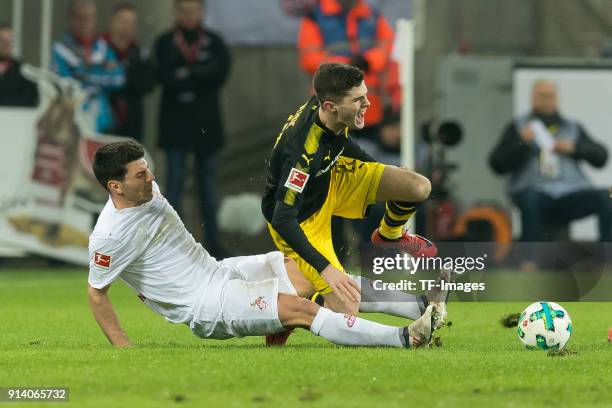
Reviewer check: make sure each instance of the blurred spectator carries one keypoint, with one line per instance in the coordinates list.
(140, 75)
(541, 152)
(15, 90)
(351, 32)
(390, 138)
(87, 57)
(193, 64)
(297, 8)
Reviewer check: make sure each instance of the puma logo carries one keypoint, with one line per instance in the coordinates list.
(307, 159)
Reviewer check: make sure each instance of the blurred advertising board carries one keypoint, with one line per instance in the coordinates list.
(49, 197)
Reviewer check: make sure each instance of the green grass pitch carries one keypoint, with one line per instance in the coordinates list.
(49, 338)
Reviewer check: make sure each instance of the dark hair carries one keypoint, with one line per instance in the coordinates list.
(333, 81)
(110, 161)
(125, 6)
(5, 26)
(74, 4)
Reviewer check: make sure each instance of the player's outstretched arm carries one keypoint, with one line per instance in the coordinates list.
(102, 310)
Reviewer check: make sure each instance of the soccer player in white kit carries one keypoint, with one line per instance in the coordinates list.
(140, 238)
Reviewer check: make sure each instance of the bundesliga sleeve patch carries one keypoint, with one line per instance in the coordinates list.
(102, 260)
(297, 180)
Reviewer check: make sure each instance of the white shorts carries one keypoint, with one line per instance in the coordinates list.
(241, 299)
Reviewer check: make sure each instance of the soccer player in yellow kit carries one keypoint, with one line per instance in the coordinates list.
(316, 170)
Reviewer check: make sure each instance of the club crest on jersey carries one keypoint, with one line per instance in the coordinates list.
(297, 180)
(102, 260)
(261, 303)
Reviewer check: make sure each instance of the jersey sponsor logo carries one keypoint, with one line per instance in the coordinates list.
(102, 260)
(261, 303)
(329, 166)
(297, 180)
(347, 166)
(350, 320)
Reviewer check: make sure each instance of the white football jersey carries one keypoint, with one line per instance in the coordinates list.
(150, 249)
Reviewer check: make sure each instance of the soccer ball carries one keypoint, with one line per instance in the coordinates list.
(545, 325)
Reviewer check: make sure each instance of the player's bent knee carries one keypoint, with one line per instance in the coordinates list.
(417, 187)
(401, 184)
(296, 312)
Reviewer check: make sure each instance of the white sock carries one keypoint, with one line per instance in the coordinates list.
(353, 331)
(396, 303)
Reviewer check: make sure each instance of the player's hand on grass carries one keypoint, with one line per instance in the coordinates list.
(341, 283)
(118, 339)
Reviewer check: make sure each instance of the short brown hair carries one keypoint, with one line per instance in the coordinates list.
(110, 161)
(334, 80)
(74, 4)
